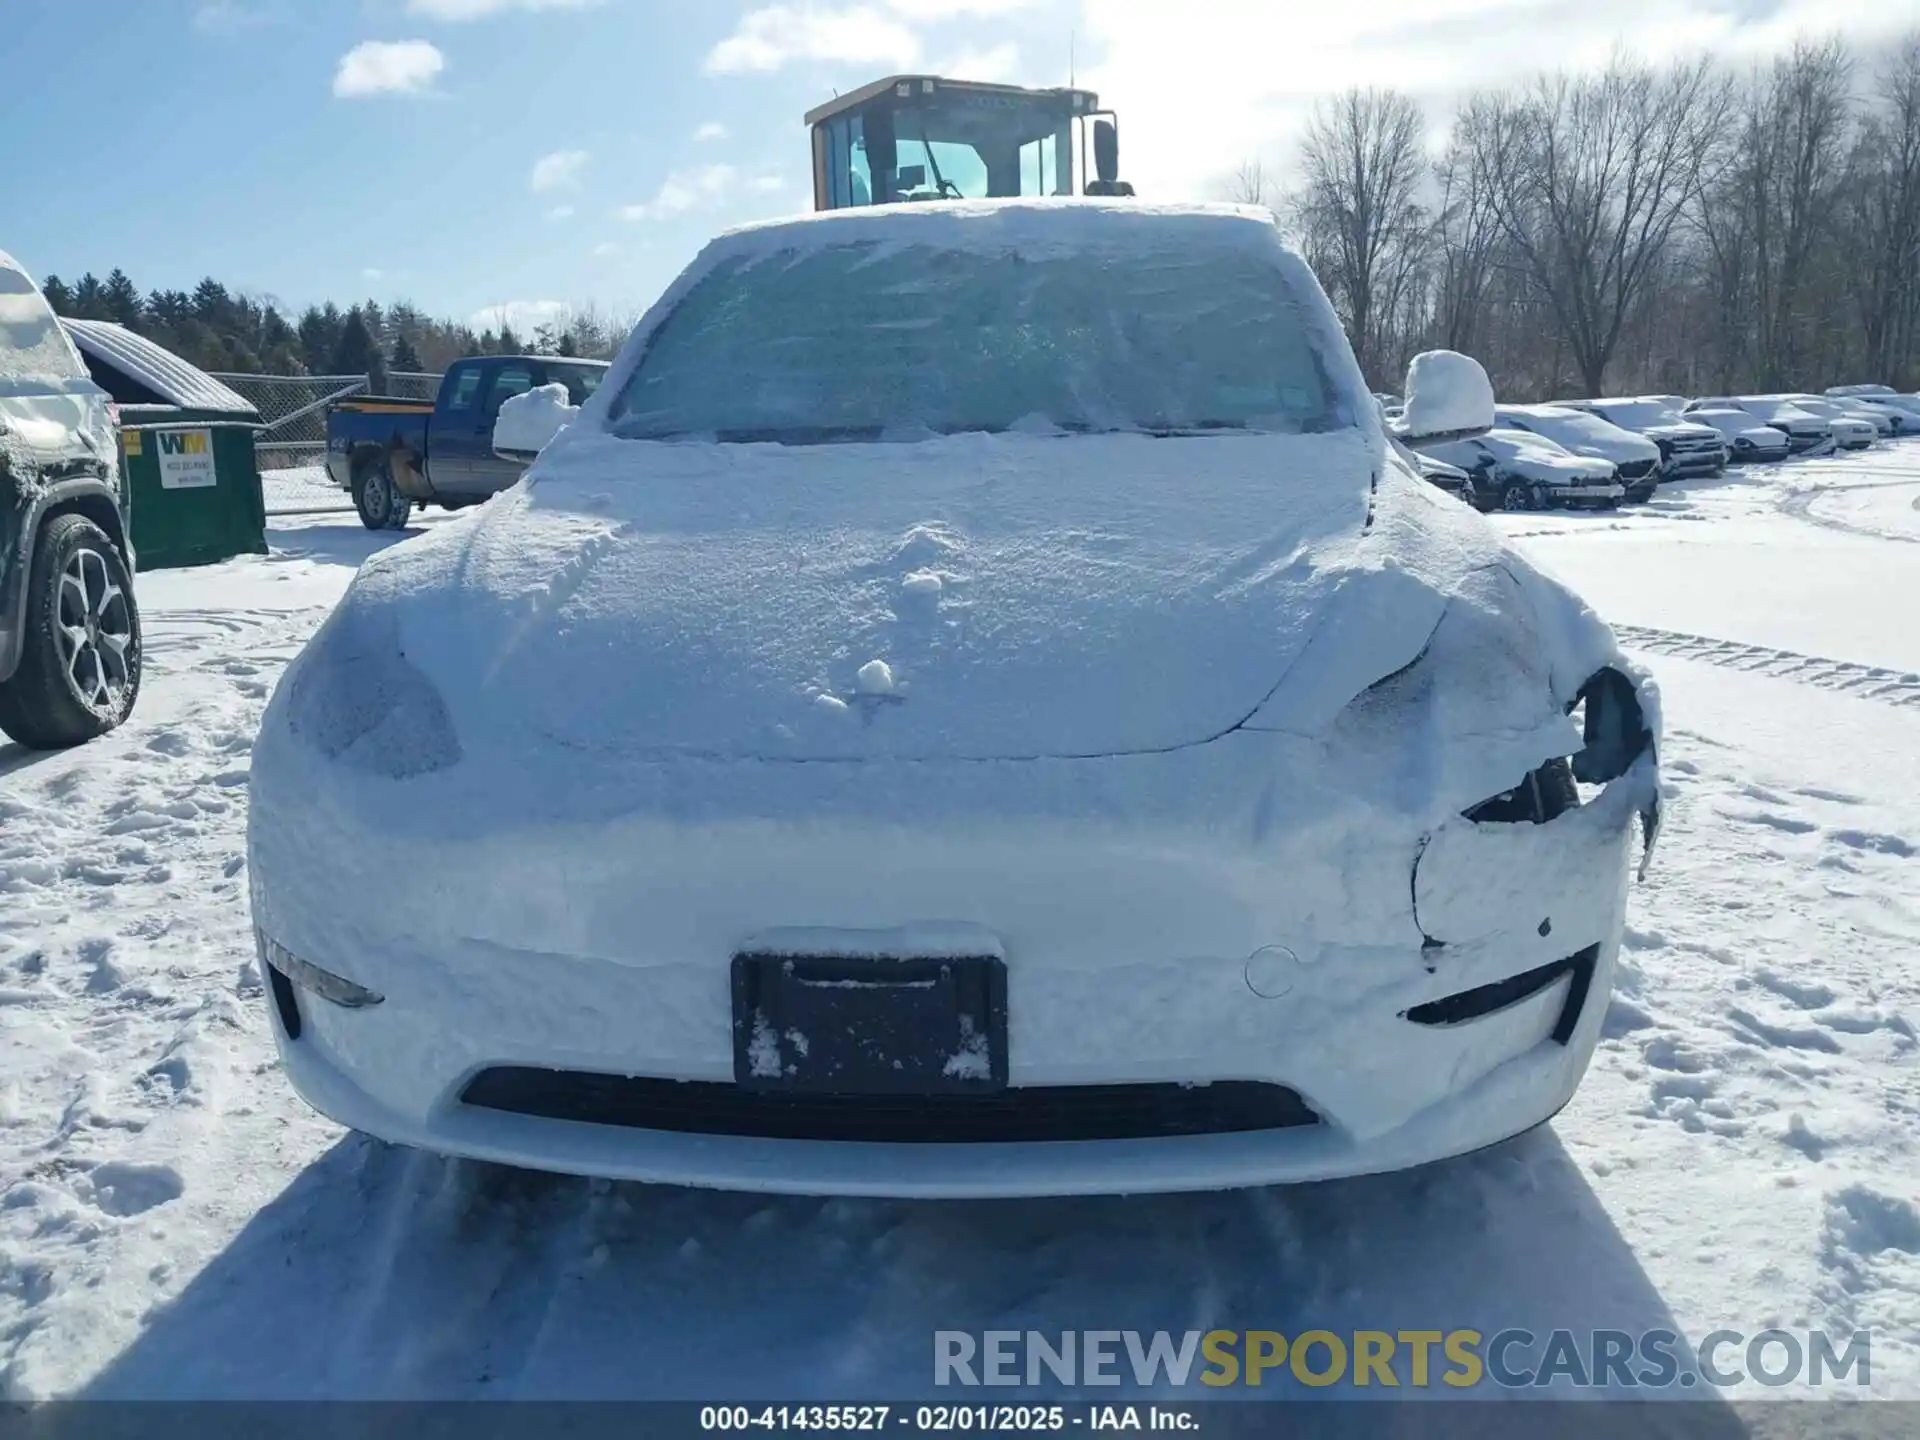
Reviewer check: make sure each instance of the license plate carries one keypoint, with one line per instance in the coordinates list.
(870, 1025)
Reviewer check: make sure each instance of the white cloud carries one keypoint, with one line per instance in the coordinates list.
(558, 171)
(712, 130)
(1193, 108)
(373, 272)
(685, 190)
(525, 316)
(388, 67)
(459, 11)
(560, 212)
(935, 10)
(998, 63)
(778, 35)
(605, 250)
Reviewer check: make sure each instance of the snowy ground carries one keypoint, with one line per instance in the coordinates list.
(174, 1223)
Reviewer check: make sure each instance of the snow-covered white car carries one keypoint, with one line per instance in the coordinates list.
(1635, 458)
(1886, 420)
(1879, 395)
(1746, 437)
(1515, 470)
(973, 705)
(1805, 431)
(1686, 449)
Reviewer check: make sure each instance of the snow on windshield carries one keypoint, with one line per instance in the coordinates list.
(32, 345)
(866, 339)
(1575, 423)
(1638, 412)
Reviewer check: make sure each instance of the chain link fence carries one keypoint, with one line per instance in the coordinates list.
(292, 445)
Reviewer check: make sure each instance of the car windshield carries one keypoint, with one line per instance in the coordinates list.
(32, 345)
(1572, 425)
(1636, 413)
(1522, 443)
(866, 341)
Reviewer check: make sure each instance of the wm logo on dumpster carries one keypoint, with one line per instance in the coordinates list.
(192, 442)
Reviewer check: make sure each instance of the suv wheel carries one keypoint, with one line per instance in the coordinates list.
(79, 671)
(378, 499)
(1516, 495)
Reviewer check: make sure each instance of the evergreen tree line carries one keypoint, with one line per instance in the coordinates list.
(226, 330)
(1690, 229)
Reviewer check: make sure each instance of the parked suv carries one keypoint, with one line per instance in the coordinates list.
(69, 628)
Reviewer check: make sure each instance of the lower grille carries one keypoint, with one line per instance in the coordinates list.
(1036, 1113)
(1637, 469)
(1485, 1000)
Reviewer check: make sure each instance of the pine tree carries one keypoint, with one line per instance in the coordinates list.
(354, 352)
(59, 296)
(90, 298)
(122, 300)
(405, 358)
(509, 342)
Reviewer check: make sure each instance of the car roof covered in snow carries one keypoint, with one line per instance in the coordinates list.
(1058, 224)
(155, 367)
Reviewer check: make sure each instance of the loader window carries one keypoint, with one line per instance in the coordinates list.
(957, 145)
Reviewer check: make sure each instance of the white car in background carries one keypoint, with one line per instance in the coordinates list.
(1514, 470)
(1635, 458)
(1805, 431)
(1746, 437)
(1686, 449)
(1887, 421)
(954, 752)
(1880, 395)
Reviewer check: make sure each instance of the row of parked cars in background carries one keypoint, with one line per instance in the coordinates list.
(1600, 454)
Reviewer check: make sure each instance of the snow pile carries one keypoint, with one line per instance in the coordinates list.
(528, 422)
(1447, 394)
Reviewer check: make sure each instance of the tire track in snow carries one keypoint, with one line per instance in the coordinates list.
(1799, 504)
(1867, 682)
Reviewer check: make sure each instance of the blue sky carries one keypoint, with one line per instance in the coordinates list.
(475, 154)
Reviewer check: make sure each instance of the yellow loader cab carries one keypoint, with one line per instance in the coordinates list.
(922, 137)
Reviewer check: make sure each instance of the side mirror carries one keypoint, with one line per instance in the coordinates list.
(1106, 151)
(1449, 397)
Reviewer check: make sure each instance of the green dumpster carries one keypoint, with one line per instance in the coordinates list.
(186, 444)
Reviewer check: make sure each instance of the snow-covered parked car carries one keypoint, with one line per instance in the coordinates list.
(1686, 449)
(973, 705)
(1746, 437)
(1514, 470)
(1804, 430)
(1635, 458)
(70, 649)
(1887, 421)
(1879, 395)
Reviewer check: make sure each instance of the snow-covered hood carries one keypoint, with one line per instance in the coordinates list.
(1678, 430)
(1556, 469)
(970, 598)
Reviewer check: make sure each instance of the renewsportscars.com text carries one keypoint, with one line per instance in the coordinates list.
(1416, 1359)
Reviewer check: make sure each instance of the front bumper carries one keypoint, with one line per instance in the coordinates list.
(1136, 955)
(1606, 493)
(1705, 460)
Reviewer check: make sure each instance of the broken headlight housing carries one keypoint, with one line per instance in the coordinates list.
(1615, 734)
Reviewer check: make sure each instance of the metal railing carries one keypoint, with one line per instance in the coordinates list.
(291, 445)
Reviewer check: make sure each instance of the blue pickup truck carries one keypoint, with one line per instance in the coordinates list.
(392, 454)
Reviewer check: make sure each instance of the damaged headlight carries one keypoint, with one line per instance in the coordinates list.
(356, 698)
(1616, 733)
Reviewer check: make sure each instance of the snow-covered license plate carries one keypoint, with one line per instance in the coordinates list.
(870, 1025)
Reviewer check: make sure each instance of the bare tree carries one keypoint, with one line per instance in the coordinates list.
(1466, 237)
(1882, 219)
(1360, 210)
(1588, 178)
(1250, 185)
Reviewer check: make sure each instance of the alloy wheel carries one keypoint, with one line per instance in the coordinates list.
(94, 632)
